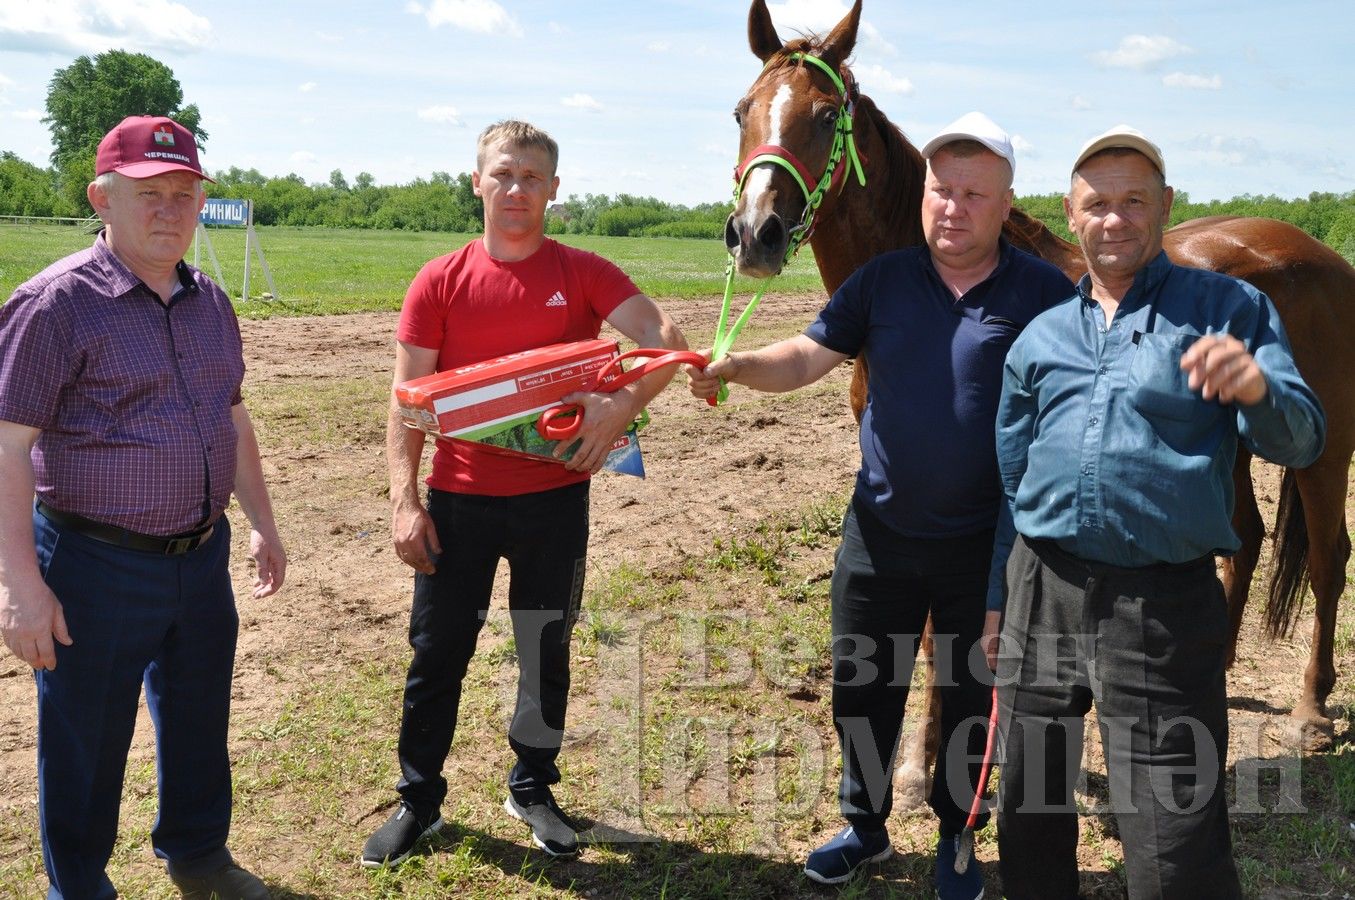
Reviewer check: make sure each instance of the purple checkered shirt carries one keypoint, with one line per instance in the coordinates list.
(133, 398)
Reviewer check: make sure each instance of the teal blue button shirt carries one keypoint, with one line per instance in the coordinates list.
(1102, 446)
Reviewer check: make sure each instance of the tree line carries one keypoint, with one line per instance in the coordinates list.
(93, 94)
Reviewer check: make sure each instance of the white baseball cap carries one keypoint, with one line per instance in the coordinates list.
(1122, 136)
(974, 126)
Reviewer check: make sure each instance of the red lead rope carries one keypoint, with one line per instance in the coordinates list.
(549, 424)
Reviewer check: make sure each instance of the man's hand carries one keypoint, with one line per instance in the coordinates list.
(992, 631)
(605, 418)
(30, 616)
(415, 537)
(1220, 366)
(705, 383)
(266, 548)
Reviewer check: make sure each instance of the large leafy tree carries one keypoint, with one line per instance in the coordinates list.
(91, 95)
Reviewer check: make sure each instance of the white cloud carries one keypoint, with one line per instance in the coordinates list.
(1141, 51)
(1023, 146)
(443, 115)
(304, 156)
(869, 36)
(558, 28)
(581, 101)
(84, 26)
(659, 47)
(307, 87)
(820, 16)
(1195, 82)
(1080, 102)
(876, 79)
(27, 115)
(328, 37)
(1228, 149)
(479, 16)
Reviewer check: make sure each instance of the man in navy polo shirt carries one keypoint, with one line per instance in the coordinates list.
(120, 410)
(934, 323)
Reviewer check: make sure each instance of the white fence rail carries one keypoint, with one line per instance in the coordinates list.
(30, 221)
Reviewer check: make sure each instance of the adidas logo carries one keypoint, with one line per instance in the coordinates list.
(557, 299)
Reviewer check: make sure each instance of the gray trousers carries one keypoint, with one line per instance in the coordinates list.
(1147, 646)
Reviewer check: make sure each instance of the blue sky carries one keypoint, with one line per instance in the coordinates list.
(1243, 97)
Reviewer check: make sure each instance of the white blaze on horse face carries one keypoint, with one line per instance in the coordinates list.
(760, 180)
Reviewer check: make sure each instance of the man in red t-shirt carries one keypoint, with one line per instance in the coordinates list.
(513, 289)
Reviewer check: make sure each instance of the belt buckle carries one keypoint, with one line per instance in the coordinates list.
(175, 546)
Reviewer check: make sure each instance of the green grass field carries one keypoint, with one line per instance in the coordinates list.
(319, 271)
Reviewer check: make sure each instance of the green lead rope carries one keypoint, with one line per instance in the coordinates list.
(725, 339)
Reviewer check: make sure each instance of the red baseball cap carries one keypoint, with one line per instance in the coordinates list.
(145, 146)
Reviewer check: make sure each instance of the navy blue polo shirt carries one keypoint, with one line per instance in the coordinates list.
(928, 455)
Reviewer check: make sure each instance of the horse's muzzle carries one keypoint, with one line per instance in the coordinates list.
(758, 248)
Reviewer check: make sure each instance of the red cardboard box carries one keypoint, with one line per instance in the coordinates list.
(483, 398)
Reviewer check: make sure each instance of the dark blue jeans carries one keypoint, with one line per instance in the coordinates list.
(544, 538)
(168, 622)
(884, 585)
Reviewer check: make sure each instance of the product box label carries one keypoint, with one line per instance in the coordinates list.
(497, 401)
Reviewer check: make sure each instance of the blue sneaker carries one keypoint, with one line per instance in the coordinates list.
(950, 885)
(835, 861)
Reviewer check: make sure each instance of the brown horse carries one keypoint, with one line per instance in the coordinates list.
(794, 110)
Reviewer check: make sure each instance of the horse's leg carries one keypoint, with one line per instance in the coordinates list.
(1323, 489)
(1239, 568)
(912, 779)
(857, 393)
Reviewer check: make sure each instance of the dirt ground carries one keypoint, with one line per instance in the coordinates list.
(709, 475)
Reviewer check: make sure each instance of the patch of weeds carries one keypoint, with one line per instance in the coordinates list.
(765, 552)
(1341, 766)
(598, 629)
(625, 587)
(821, 523)
(749, 751)
(1344, 639)
(501, 654)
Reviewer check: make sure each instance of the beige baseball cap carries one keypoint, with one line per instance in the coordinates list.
(1122, 136)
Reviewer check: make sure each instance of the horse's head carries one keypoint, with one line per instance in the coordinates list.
(795, 142)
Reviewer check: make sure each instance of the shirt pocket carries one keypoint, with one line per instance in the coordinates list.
(1160, 392)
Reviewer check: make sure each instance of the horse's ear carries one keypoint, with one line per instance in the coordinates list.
(762, 37)
(839, 43)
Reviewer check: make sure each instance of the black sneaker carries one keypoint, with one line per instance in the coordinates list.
(392, 843)
(552, 830)
(230, 882)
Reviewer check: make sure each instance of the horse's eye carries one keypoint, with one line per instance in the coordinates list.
(738, 117)
(830, 118)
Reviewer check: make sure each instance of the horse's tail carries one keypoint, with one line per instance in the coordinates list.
(1289, 582)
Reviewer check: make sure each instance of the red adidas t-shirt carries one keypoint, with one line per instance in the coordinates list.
(471, 307)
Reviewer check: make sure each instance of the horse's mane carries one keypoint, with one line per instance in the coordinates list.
(898, 208)
(1030, 234)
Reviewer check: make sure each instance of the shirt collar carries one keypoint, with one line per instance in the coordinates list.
(121, 280)
(1146, 280)
(1004, 258)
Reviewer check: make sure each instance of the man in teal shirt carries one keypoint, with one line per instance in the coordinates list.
(1117, 430)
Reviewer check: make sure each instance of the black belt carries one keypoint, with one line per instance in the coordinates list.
(1048, 548)
(121, 537)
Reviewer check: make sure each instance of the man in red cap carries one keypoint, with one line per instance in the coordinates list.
(121, 415)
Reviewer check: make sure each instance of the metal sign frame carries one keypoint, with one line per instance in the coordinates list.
(231, 213)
